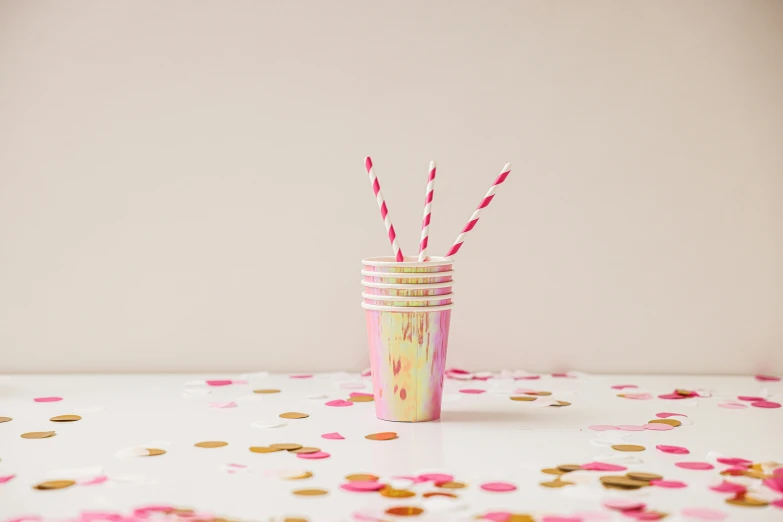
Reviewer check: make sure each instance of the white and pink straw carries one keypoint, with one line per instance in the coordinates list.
(425, 224)
(477, 214)
(376, 187)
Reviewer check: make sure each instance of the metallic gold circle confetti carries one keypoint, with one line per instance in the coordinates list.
(622, 482)
(556, 483)
(569, 467)
(309, 492)
(286, 519)
(561, 404)
(55, 484)
(390, 492)
(520, 518)
(746, 502)
(288, 446)
(671, 422)
(553, 471)
(154, 452)
(755, 474)
(293, 415)
(361, 398)
(628, 447)
(264, 449)
(644, 477)
(65, 418)
(38, 435)
(306, 450)
(384, 435)
(404, 511)
(524, 398)
(5, 419)
(450, 484)
(297, 475)
(211, 444)
(539, 393)
(438, 494)
(361, 477)
(266, 391)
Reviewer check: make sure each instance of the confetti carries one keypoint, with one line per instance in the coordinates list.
(384, 435)
(658, 427)
(749, 398)
(5, 419)
(54, 484)
(602, 466)
(266, 391)
(361, 477)
(65, 418)
(6, 478)
(48, 399)
(623, 504)
(332, 436)
(293, 415)
(361, 398)
(474, 391)
(666, 415)
(498, 486)
(305, 450)
(435, 477)
(630, 427)
(524, 398)
(646, 477)
(636, 396)
(264, 449)
(703, 513)
(694, 465)
(747, 502)
(676, 450)
(309, 492)
(765, 404)
(211, 444)
(301, 376)
(402, 511)
(623, 386)
(622, 482)
(316, 455)
(390, 492)
(728, 487)
(154, 452)
(362, 485)
(674, 423)
(38, 435)
(628, 447)
(219, 383)
(339, 403)
(671, 484)
(733, 461)
(294, 475)
(767, 378)
(288, 446)
(555, 483)
(450, 484)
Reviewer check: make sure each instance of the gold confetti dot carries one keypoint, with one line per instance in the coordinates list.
(5, 419)
(65, 418)
(309, 492)
(671, 422)
(390, 492)
(746, 502)
(621, 482)
(286, 446)
(539, 393)
(211, 444)
(755, 474)
(628, 447)
(438, 494)
(556, 483)
(361, 398)
(404, 511)
(293, 415)
(38, 435)
(384, 435)
(569, 467)
(522, 398)
(264, 449)
(645, 477)
(295, 519)
(561, 404)
(306, 450)
(450, 484)
(520, 518)
(154, 452)
(552, 471)
(361, 477)
(55, 484)
(266, 391)
(297, 475)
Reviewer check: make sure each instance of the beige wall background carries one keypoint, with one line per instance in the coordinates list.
(181, 182)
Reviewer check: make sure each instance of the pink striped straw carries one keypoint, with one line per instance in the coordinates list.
(425, 224)
(376, 187)
(477, 214)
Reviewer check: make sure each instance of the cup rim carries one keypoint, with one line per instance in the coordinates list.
(413, 275)
(410, 261)
(406, 286)
(409, 309)
(406, 298)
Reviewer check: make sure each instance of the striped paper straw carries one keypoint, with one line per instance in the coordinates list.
(376, 188)
(425, 224)
(477, 214)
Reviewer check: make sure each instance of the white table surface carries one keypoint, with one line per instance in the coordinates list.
(480, 438)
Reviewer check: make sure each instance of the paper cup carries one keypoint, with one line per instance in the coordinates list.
(410, 265)
(406, 290)
(407, 278)
(396, 300)
(407, 359)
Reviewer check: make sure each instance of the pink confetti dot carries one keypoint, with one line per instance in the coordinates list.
(666, 415)
(360, 394)
(631, 427)
(92, 481)
(557, 518)
(527, 378)
(749, 398)
(219, 383)
(777, 503)
(339, 403)
(48, 399)
(702, 466)
(704, 513)
(498, 486)
(602, 466)
(472, 390)
(672, 396)
(332, 436)
(677, 450)
(316, 455)
(362, 486)
(767, 378)
(671, 484)
(6, 478)
(775, 483)
(103, 516)
(146, 511)
(600, 427)
(765, 404)
(623, 386)
(729, 487)
(436, 477)
(622, 504)
(643, 515)
(301, 376)
(732, 405)
(563, 375)
(367, 372)
(733, 461)
(497, 516)
(658, 427)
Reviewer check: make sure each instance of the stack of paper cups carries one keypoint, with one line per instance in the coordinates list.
(408, 312)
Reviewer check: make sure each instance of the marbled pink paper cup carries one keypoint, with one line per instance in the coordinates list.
(394, 300)
(404, 290)
(411, 265)
(408, 360)
(406, 278)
